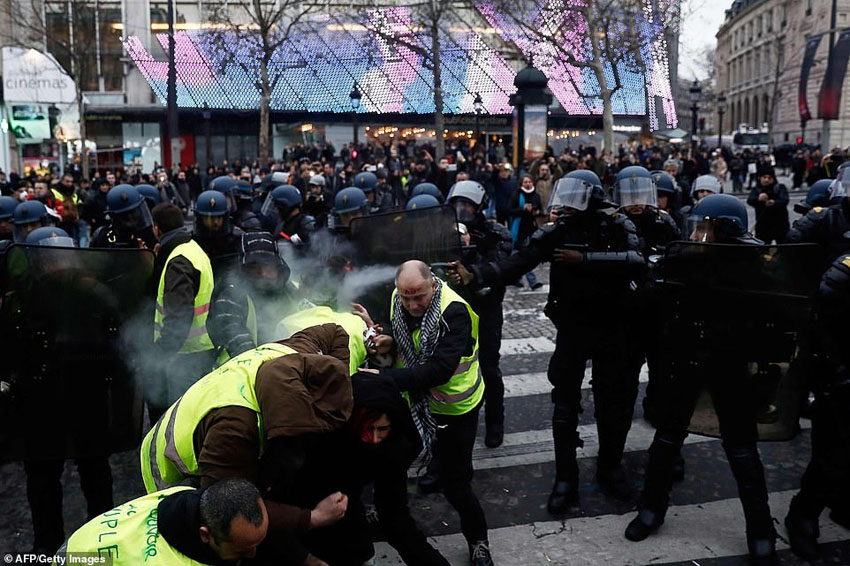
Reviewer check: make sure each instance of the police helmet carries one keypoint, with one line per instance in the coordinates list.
(464, 193)
(150, 193)
(587, 176)
(243, 190)
(635, 187)
(317, 180)
(664, 183)
(838, 189)
(284, 198)
(50, 236)
(123, 198)
(276, 179)
(817, 195)
(726, 214)
(427, 189)
(222, 184)
(421, 201)
(350, 199)
(211, 203)
(29, 212)
(366, 181)
(706, 183)
(7, 207)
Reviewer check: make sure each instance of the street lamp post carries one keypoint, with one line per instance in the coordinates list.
(355, 97)
(695, 92)
(478, 105)
(721, 109)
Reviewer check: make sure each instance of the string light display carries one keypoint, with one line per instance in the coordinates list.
(385, 54)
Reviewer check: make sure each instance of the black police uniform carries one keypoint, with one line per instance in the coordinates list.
(301, 225)
(655, 229)
(829, 227)
(825, 481)
(490, 242)
(110, 236)
(220, 248)
(585, 303)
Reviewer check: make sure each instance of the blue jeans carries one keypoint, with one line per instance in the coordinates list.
(531, 278)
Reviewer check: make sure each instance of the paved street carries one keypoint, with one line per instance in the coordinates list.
(704, 526)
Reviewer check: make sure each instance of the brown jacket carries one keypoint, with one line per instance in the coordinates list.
(306, 392)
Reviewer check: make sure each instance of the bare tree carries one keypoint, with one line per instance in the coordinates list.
(68, 30)
(254, 33)
(780, 63)
(603, 36)
(422, 37)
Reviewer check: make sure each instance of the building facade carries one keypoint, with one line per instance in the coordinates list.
(760, 52)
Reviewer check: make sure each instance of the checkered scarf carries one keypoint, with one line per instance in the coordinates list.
(428, 337)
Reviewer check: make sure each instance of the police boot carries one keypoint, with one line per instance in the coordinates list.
(479, 554)
(564, 433)
(752, 490)
(609, 470)
(803, 531)
(494, 421)
(645, 524)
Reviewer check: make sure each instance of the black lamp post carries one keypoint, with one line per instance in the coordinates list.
(355, 97)
(478, 105)
(721, 109)
(695, 92)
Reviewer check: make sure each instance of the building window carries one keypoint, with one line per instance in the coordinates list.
(111, 50)
(76, 52)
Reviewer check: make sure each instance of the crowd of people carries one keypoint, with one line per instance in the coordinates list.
(273, 405)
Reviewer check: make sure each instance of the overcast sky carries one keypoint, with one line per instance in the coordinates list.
(700, 21)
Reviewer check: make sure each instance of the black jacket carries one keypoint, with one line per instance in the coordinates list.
(655, 229)
(455, 342)
(832, 312)
(829, 227)
(774, 217)
(110, 237)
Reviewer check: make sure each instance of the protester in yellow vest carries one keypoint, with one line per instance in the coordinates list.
(252, 418)
(183, 351)
(435, 333)
(223, 523)
(352, 323)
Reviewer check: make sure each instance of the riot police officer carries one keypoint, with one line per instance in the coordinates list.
(293, 225)
(129, 224)
(379, 200)
(595, 257)
(703, 186)
(27, 217)
(489, 242)
(702, 355)
(7, 211)
(349, 203)
(669, 195)
(421, 201)
(637, 195)
(817, 195)
(317, 203)
(213, 230)
(825, 481)
(830, 226)
(242, 197)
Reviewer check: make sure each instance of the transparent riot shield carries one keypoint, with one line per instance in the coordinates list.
(385, 241)
(72, 320)
(741, 310)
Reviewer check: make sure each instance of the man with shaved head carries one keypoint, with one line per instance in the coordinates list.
(435, 334)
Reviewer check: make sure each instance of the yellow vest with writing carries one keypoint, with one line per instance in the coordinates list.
(198, 339)
(168, 450)
(128, 535)
(464, 390)
(315, 316)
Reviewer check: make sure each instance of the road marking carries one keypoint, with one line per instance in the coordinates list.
(532, 345)
(691, 532)
(522, 384)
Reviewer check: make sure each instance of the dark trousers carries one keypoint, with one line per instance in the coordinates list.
(44, 493)
(825, 481)
(614, 391)
(734, 400)
(489, 311)
(346, 543)
(453, 453)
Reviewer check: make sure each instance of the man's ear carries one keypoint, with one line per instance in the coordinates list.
(206, 537)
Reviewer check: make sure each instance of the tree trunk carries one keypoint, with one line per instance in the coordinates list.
(605, 93)
(84, 156)
(265, 103)
(439, 119)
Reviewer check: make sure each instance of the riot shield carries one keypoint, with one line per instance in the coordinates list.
(71, 320)
(744, 309)
(385, 241)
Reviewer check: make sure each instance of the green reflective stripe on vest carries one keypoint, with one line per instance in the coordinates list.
(168, 451)
(128, 535)
(315, 316)
(464, 390)
(198, 340)
(250, 323)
